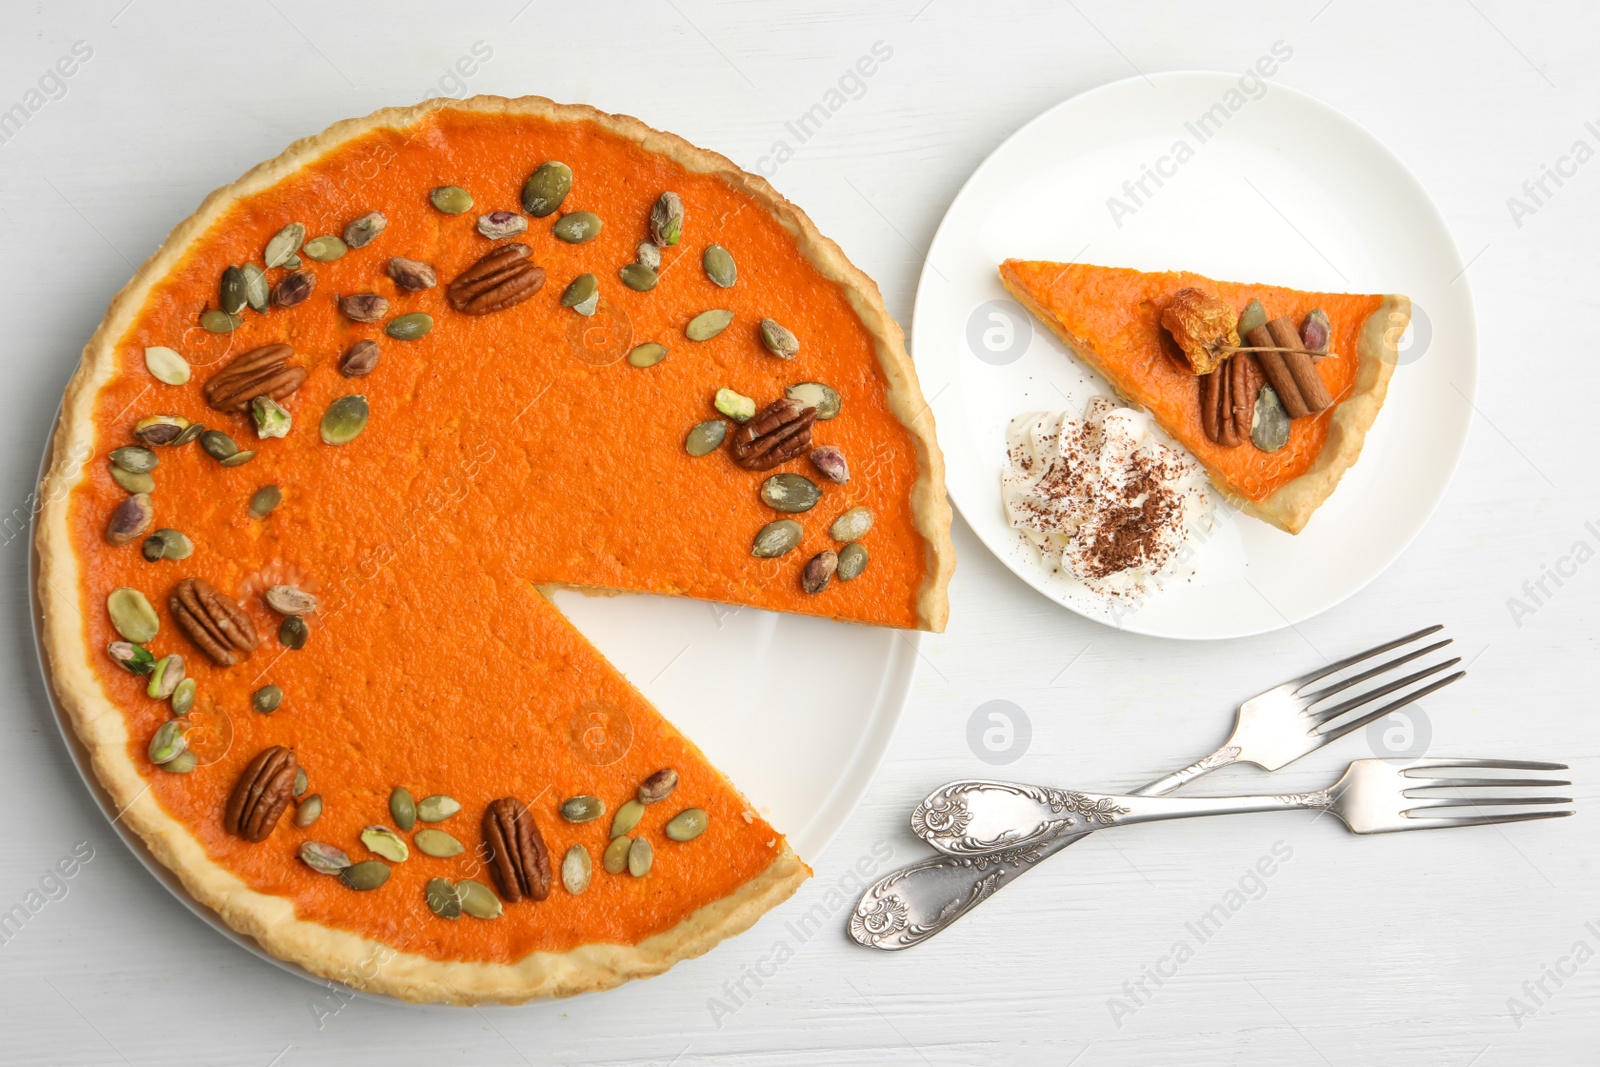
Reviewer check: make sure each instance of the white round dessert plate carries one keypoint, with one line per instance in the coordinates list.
(804, 763)
(1272, 186)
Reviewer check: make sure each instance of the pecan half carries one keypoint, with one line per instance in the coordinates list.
(264, 371)
(1228, 399)
(779, 432)
(499, 280)
(214, 621)
(517, 856)
(261, 794)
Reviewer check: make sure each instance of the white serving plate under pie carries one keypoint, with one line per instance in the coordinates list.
(1284, 190)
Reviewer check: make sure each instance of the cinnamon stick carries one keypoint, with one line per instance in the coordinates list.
(1277, 372)
(1304, 372)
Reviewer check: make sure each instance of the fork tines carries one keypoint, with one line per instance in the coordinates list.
(1422, 803)
(1324, 716)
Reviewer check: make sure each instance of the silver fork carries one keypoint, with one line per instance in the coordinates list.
(1373, 796)
(1271, 730)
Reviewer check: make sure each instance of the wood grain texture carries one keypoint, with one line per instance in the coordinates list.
(1402, 950)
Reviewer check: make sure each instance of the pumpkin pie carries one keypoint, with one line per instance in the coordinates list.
(330, 445)
(1329, 355)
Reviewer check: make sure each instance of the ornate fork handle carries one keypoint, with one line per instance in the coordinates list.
(910, 905)
(976, 816)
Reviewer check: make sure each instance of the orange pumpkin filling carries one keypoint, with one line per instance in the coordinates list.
(1115, 313)
(504, 451)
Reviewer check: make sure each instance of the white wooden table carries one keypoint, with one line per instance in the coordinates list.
(1411, 949)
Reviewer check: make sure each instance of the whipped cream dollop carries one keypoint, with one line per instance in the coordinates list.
(1103, 499)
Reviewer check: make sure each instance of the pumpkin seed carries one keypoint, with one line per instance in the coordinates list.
(301, 782)
(292, 263)
(706, 437)
(257, 290)
(325, 249)
(402, 808)
(688, 824)
(215, 320)
(166, 366)
(578, 227)
(825, 398)
(707, 324)
(166, 678)
(818, 571)
(442, 898)
(666, 220)
(183, 697)
(626, 818)
(647, 355)
(271, 419)
(218, 445)
(412, 274)
(360, 232)
(792, 493)
(182, 763)
(135, 459)
(267, 699)
(779, 340)
(831, 462)
(239, 459)
(194, 430)
(638, 277)
(582, 809)
(132, 615)
(719, 266)
(546, 188)
(736, 406)
(640, 857)
(160, 429)
(582, 291)
(323, 857)
(1252, 316)
(290, 600)
(176, 543)
(133, 483)
(294, 633)
(615, 858)
(284, 244)
(264, 500)
(451, 199)
(478, 900)
(852, 525)
(366, 875)
(308, 811)
(498, 224)
(167, 742)
(577, 869)
(658, 786)
(345, 419)
(437, 808)
(852, 561)
(777, 538)
(386, 843)
(131, 518)
(230, 294)
(1269, 421)
(648, 255)
(410, 327)
(437, 843)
